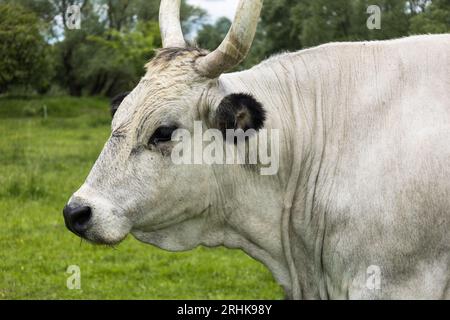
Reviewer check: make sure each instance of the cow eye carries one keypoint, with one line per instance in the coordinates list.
(162, 134)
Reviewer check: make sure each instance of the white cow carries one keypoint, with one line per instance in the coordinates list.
(360, 207)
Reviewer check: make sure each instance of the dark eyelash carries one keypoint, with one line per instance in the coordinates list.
(162, 134)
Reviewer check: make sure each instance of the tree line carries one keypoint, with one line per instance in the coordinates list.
(290, 25)
(106, 55)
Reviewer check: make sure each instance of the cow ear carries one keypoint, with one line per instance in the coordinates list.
(116, 101)
(239, 111)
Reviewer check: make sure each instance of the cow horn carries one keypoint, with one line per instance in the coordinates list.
(170, 25)
(236, 45)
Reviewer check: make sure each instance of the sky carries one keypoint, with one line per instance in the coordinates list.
(217, 8)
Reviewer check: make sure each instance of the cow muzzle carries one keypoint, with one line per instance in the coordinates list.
(77, 218)
(93, 217)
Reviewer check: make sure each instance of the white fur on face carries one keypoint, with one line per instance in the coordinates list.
(134, 186)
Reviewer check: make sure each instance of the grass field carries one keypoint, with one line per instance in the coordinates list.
(42, 161)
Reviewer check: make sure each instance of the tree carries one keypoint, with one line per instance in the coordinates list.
(24, 54)
(74, 52)
(290, 25)
(434, 19)
(282, 25)
(326, 21)
(210, 36)
(92, 60)
(120, 58)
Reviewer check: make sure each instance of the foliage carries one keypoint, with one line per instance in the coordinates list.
(290, 25)
(108, 61)
(121, 55)
(24, 54)
(434, 19)
(106, 56)
(210, 36)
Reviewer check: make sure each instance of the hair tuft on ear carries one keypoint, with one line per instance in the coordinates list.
(240, 111)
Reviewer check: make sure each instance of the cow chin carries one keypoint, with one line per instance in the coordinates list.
(180, 236)
(162, 240)
(105, 233)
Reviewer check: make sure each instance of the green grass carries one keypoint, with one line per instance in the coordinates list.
(42, 161)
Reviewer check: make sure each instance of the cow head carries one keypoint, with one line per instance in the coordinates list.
(134, 185)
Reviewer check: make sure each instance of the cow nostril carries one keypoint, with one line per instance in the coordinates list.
(83, 216)
(77, 218)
